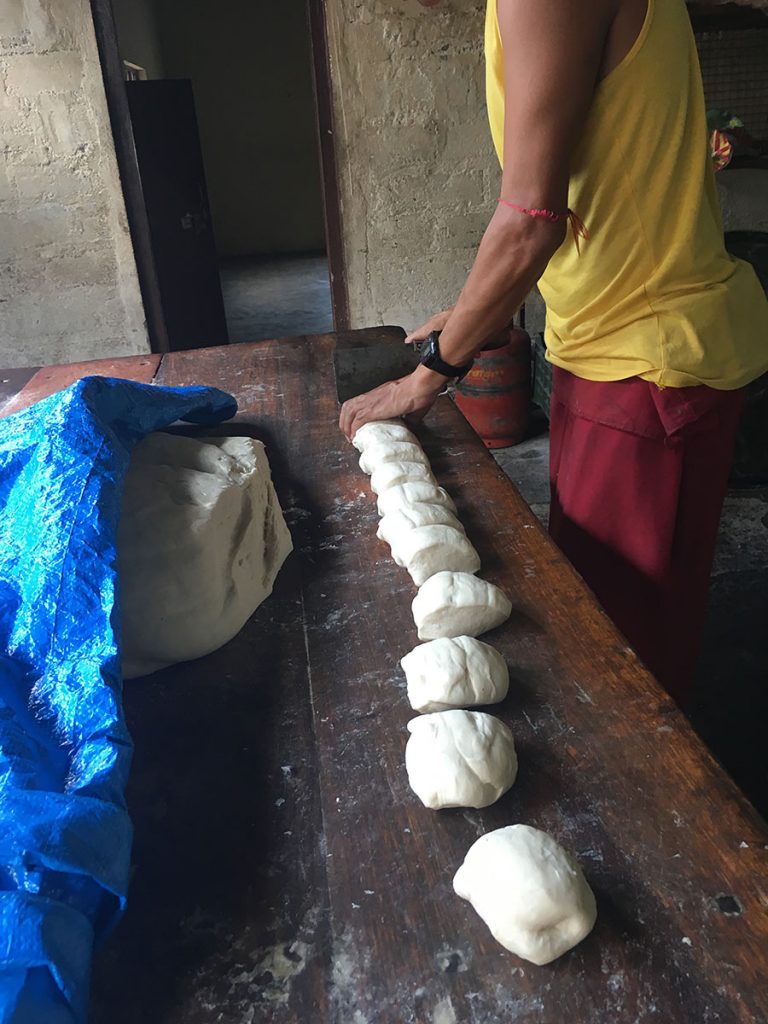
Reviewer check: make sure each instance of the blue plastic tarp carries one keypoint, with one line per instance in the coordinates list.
(65, 834)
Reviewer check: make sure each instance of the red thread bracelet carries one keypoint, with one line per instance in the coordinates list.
(577, 225)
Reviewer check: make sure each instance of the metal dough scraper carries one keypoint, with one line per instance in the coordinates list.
(364, 359)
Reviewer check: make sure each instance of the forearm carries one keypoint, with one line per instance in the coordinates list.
(512, 256)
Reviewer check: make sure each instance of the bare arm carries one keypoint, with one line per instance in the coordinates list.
(552, 55)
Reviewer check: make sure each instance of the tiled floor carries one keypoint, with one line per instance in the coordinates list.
(276, 296)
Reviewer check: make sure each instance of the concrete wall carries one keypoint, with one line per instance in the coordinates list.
(251, 70)
(68, 284)
(138, 34)
(417, 171)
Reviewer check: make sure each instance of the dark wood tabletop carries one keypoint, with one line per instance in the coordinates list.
(284, 871)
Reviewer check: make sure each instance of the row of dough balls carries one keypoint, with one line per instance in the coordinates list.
(454, 757)
(529, 891)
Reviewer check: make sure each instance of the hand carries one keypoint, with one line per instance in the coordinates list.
(410, 397)
(435, 323)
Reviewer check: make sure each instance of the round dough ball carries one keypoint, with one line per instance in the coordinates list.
(393, 473)
(376, 455)
(529, 891)
(414, 492)
(426, 550)
(395, 524)
(459, 759)
(382, 430)
(455, 672)
(458, 604)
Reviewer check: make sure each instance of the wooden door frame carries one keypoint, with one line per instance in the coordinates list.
(334, 235)
(133, 195)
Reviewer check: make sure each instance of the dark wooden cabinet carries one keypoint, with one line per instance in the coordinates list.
(172, 174)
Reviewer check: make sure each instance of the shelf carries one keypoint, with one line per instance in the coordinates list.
(726, 17)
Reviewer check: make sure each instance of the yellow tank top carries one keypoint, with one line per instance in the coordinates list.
(653, 293)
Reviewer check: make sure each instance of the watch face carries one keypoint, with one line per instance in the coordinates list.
(431, 352)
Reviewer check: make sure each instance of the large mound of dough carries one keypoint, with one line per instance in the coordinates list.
(382, 430)
(414, 492)
(455, 672)
(200, 542)
(390, 474)
(459, 759)
(458, 604)
(529, 891)
(426, 550)
(376, 455)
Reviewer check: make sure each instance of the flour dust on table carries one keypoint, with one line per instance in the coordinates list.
(200, 543)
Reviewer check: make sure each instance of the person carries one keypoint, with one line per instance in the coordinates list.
(608, 200)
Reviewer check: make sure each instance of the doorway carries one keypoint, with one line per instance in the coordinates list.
(246, 83)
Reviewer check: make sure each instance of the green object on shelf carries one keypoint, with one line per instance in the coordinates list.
(722, 120)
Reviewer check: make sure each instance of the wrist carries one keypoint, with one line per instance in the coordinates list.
(428, 382)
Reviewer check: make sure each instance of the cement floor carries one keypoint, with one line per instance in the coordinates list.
(730, 703)
(276, 296)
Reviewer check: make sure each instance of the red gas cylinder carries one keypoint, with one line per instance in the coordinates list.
(495, 395)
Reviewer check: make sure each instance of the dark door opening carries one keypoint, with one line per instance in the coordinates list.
(247, 257)
(171, 169)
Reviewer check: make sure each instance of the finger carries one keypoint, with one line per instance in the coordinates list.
(419, 334)
(345, 420)
(352, 424)
(359, 420)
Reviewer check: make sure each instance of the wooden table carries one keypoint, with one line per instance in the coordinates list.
(283, 869)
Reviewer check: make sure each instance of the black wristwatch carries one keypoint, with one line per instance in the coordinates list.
(430, 357)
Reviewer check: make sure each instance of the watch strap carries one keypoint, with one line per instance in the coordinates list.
(432, 359)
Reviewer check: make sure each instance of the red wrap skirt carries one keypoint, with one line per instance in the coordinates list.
(638, 476)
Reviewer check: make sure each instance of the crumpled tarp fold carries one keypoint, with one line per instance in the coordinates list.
(65, 834)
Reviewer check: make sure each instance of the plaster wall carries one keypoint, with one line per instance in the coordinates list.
(251, 71)
(417, 172)
(68, 283)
